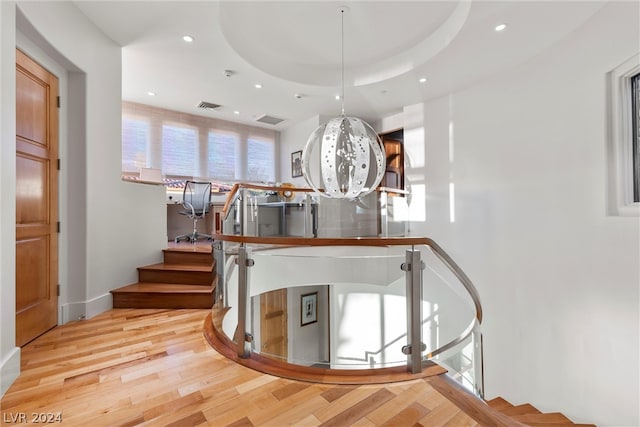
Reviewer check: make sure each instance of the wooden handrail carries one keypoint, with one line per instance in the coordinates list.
(324, 241)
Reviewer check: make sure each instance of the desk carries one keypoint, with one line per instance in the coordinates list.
(283, 219)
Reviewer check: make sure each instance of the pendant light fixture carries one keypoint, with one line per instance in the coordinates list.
(344, 157)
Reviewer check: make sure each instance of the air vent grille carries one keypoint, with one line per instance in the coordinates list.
(208, 105)
(270, 120)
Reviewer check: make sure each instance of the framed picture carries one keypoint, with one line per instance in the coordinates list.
(296, 164)
(308, 309)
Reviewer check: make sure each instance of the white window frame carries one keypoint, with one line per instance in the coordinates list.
(620, 140)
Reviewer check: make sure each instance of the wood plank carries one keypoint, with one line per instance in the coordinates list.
(499, 403)
(523, 409)
(154, 367)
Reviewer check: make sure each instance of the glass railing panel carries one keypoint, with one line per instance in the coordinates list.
(342, 305)
(270, 212)
(450, 326)
(337, 307)
(282, 211)
(464, 362)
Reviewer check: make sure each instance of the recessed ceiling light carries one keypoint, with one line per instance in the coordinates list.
(422, 80)
(151, 93)
(187, 38)
(337, 97)
(297, 95)
(501, 27)
(236, 112)
(258, 86)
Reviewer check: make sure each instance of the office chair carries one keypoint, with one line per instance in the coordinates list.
(196, 200)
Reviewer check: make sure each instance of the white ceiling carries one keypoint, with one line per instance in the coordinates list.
(294, 47)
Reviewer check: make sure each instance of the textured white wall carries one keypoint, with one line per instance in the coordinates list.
(513, 181)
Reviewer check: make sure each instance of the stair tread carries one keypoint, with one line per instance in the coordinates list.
(190, 248)
(520, 410)
(498, 403)
(164, 288)
(548, 418)
(179, 267)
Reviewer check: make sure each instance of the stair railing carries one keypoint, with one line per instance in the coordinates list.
(238, 243)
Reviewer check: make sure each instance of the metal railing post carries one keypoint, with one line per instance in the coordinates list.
(413, 273)
(384, 218)
(243, 211)
(244, 261)
(308, 218)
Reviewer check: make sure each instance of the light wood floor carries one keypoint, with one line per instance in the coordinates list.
(153, 367)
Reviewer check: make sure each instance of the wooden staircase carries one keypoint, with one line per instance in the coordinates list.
(497, 412)
(186, 279)
(528, 415)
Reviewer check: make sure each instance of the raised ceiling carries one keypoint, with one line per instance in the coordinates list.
(293, 49)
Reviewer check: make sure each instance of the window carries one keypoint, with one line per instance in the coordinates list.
(635, 121)
(223, 156)
(185, 145)
(261, 160)
(623, 155)
(179, 150)
(135, 138)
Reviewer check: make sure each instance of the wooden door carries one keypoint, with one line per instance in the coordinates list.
(394, 172)
(273, 323)
(36, 199)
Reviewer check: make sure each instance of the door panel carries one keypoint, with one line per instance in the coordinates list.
(36, 199)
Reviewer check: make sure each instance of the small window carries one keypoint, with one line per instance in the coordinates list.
(261, 160)
(135, 139)
(635, 122)
(623, 198)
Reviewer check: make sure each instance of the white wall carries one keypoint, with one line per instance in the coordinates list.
(9, 353)
(308, 344)
(294, 139)
(113, 226)
(558, 278)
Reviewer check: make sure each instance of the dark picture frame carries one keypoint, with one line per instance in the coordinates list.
(308, 309)
(296, 164)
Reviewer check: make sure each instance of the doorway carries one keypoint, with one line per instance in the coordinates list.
(36, 199)
(273, 324)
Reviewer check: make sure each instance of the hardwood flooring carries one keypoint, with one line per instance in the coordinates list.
(153, 367)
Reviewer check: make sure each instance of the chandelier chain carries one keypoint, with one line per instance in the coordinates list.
(342, 53)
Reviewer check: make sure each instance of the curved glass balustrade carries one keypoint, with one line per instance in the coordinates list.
(343, 303)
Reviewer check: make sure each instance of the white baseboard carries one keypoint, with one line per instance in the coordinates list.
(86, 309)
(9, 370)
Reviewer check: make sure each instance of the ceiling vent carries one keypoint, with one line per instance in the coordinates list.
(270, 120)
(208, 105)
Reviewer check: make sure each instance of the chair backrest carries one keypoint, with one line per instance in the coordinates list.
(197, 196)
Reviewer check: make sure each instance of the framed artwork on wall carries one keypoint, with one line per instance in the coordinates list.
(296, 164)
(308, 309)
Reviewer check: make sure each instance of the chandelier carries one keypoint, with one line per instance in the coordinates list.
(344, 157)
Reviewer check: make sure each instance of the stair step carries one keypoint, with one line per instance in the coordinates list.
(543, 419)
(185, 256)
(499, 403)
(163, 295)
(520, 410)
(177, 273)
